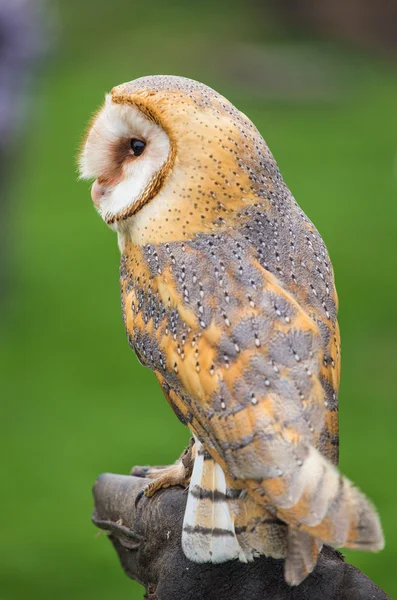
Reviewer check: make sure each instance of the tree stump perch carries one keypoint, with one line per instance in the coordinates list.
(147, 539)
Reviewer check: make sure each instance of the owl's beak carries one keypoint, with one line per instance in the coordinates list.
(98, 192)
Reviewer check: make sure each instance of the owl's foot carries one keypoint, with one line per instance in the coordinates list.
(164, 477)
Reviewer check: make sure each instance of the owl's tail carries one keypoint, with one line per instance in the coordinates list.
(316, 499)
(313, 504)
(222, 522)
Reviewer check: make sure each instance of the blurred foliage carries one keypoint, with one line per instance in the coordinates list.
(76, 401)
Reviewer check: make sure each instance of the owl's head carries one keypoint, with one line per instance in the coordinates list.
(171, 157)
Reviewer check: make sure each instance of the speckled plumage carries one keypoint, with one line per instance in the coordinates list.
(228, 296)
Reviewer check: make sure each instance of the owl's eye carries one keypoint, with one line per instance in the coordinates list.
(137, 146)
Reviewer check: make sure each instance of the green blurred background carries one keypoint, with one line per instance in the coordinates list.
(75, 400)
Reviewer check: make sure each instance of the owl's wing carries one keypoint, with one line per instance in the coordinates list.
(243, 359)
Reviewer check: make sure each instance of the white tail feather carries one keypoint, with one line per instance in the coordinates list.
(208, 527)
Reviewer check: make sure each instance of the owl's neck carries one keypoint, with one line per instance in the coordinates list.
(167, 220)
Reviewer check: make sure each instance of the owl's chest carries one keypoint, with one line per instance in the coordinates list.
(144, 311)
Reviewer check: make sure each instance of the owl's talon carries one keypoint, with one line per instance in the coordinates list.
(139, 496)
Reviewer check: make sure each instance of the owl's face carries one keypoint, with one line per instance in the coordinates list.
(124, 152)
(171, 157)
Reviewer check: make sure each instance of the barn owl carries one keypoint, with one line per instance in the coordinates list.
(228, 296)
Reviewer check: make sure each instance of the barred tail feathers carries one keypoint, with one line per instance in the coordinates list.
(315, 502)
(302, 555)
(208, 533)
(318, 500)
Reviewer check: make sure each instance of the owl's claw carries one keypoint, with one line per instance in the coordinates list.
(139, 496)
(164, 477)
(168, 477)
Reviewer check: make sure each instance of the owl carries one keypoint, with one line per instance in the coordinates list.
(228, 296)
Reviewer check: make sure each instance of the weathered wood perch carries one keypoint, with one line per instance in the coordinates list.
(147, 538)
